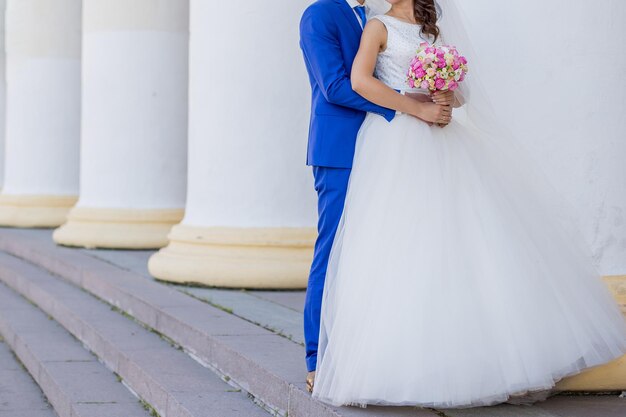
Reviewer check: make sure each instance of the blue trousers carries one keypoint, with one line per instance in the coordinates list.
(331, 185)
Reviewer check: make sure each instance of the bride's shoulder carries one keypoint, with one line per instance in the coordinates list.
(375, 33)
(380, 20)
(376, 24)
(387, 23)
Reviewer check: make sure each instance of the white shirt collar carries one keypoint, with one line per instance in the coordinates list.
(372, 7)
(354, 3)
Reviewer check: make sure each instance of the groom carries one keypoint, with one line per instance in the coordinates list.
(330, 33)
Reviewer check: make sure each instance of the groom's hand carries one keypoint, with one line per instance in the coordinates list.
(445, 98)
(432, 113)
(422, 98)
(441, 98)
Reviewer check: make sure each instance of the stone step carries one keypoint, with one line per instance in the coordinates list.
(73, 380)
(270, 315)
(278, 311)
(160, 374)
(266, 365)
(19, 394)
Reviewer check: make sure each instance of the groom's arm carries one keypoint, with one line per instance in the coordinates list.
(321, 50)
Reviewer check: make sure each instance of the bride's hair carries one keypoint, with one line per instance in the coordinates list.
(426, 15)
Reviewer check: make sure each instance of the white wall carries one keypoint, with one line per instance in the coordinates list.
(557, 74)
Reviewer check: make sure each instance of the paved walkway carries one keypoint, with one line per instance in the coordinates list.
(279, 312)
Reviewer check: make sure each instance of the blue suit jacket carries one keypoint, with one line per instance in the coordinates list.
(330, 35)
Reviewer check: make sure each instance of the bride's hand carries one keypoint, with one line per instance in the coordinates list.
(444, 98)
(446, 123)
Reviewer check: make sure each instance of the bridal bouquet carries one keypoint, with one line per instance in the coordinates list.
(437, 68)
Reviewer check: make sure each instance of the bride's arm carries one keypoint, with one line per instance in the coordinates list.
(320, 46)
(374, 40)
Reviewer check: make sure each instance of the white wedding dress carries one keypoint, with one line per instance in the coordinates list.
(449, 285)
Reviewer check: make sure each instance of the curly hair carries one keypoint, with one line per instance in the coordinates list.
(426, 15)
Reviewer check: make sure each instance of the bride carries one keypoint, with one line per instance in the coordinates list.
(455, 280)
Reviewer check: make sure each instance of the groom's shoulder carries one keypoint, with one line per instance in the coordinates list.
(321, 9)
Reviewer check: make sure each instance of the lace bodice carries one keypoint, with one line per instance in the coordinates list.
(403, 39)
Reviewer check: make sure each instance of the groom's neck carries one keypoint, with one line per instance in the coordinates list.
(361, 1)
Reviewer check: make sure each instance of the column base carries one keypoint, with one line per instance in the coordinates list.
(276, 258)
(609, 377)
(617, 285)
(114, 228)
(34, 210)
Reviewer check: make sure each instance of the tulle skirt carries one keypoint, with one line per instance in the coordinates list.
(452, 282)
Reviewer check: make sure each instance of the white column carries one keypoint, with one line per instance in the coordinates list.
(134, 130)
(558, 84)
(251, 203)
(42, 111)
(3, 5)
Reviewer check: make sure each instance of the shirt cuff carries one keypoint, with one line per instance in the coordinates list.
(403, 92)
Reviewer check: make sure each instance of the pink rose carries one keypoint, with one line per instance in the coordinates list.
(440, 83)
(441, 63)
(420, 73)
(411, 83)
(425, 85)
(453, 85)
